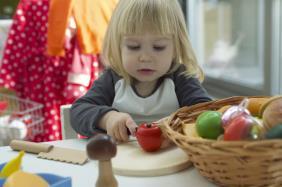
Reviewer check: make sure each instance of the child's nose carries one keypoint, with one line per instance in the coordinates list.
(145, 57)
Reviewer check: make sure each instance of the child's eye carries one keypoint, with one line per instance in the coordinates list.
(159, 48)
(133, 47)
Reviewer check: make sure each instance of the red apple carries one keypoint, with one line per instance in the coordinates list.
(149, 137)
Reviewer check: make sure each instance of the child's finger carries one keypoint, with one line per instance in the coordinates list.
(114, 135)
(123, 133)
(131, 125)
(117, 135)
(111, 133)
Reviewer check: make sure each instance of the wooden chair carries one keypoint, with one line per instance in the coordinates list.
(67, 130)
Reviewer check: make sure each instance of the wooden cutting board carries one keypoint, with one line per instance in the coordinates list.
(132, 161)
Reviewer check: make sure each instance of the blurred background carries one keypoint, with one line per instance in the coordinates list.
(238, 43)
(7, 9)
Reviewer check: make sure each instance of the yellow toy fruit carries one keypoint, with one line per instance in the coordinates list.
(189, 130)
(12, 166)
(23, 179)
(224, 108)
(272, 112)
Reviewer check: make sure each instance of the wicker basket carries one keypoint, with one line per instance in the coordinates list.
(227, 163)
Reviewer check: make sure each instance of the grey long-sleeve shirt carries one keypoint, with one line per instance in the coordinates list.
(110, 92)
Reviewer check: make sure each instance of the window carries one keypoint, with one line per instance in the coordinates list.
(7, 9)
(233, 40)
(277, 46)
(184, 6)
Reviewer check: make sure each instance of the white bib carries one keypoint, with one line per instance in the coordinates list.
(160, 104)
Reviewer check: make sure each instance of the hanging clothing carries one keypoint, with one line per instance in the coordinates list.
(91, 18)
(27, 69)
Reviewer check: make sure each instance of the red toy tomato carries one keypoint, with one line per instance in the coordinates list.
(3, 106)
(238, 128)
(149, 137)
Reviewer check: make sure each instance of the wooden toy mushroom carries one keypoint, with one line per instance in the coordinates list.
(102, 148)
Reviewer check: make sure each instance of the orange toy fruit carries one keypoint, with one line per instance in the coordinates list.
(255, 105)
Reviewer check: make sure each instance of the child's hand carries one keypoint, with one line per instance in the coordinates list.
(117, 124)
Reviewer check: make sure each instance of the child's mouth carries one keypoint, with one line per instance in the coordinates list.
(145, 71)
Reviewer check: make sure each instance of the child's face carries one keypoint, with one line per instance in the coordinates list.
(147, 57)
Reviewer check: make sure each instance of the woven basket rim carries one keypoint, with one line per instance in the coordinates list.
(246, 144)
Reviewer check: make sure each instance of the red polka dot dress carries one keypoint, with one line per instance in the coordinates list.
(27, 69)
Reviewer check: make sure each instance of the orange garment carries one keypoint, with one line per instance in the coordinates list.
(91, 18)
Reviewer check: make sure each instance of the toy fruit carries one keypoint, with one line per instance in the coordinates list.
(208, 124)
(274, 132)
(272, 112)
(3, 106)
(12, 166)
(255, 105)
(190, 130)
(234, 111)
(21, 179)
(238, 128)
(224, 108)
(149, 137)
(257, 130)
(18, 129)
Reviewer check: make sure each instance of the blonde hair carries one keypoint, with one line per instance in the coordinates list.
(163, 17)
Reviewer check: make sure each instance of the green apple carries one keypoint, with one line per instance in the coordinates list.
(208, 124)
